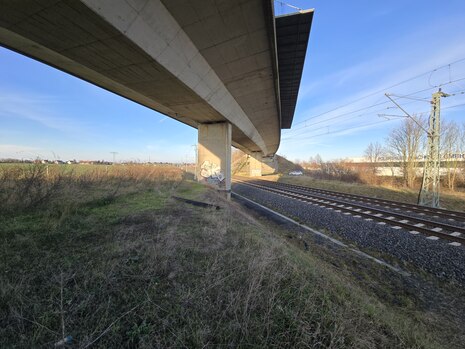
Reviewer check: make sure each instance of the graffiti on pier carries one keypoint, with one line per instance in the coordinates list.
(211, 172)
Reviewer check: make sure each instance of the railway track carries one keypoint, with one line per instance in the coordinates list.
(389, 204)
(374, 209)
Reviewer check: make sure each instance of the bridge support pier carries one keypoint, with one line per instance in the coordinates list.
(214, 156)
(269, 165)
(260, 165)
(255, 165)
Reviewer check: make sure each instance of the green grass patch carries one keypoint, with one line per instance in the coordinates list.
(135, 268)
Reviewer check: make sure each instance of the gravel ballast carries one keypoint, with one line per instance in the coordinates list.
(354, 201)
(434, 256)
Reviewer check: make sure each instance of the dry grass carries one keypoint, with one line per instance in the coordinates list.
(449, 200)
(142, 270)
(35, 186)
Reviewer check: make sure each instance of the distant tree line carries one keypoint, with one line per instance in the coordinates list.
(408, 142)
(405, 148)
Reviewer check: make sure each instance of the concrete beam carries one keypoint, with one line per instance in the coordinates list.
(195, 61)
(214, 155)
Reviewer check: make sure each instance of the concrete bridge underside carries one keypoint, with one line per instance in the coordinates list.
(228, 68)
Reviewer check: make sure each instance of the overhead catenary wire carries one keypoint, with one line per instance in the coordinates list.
(289, 5)
(303, 128)
(412, 98)
(364, 108)
(347, 113)
(308, 134)
(305, 132)
(390, 87)
(385, 102)
(360, 126)
(337, 131)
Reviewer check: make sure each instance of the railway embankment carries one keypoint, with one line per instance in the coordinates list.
(111, 259)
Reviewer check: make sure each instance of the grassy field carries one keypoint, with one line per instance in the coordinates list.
(452, 201)
(108, 257)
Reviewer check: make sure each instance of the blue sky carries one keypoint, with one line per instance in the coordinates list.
(357, 49)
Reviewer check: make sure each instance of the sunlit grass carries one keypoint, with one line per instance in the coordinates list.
(113, 260)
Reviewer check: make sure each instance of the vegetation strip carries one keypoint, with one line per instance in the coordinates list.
(197, 203)
(316, 232)
(456, 215)
(107, 258)
(341, 206)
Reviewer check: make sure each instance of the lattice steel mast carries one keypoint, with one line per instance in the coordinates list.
(429, 193)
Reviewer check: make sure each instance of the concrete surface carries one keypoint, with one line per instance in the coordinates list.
(214, 155)
(255, 165)
(197, 61)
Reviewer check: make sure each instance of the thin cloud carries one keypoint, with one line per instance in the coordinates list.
(347, 113)
(18, 151)
(37, 108)
(403, 58)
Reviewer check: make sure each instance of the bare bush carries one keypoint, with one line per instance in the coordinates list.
(27, 187)
(452, 144)
(374, 152)
(405, 143)
(337, 169)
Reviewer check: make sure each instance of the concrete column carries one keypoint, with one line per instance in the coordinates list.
(214, 155)
(269, 165)
(260, 165)
(255, 165)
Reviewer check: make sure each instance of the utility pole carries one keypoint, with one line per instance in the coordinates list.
(114, 155)
(429, 193)
(195, 151)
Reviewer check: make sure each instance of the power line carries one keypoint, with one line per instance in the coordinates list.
(371, 106)
(412, 98)
(454, 106)
(376, 104)
(360, 125)
(337, 131)
(386, 88)
(354, 111)
(289, 5)
(350, 118)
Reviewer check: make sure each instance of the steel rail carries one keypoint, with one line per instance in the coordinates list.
(372, 213)
(447, 214)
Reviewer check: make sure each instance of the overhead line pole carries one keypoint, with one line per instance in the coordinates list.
(406, 113)
(429, 193)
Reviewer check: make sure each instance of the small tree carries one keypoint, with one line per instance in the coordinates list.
(461, 169)
(373, 153)
(451, 145)
(405, 142)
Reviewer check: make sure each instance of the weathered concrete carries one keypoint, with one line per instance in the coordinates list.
(196, 61)
(260, 165)
(214, 155)
(269, 165)
(255, 165)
